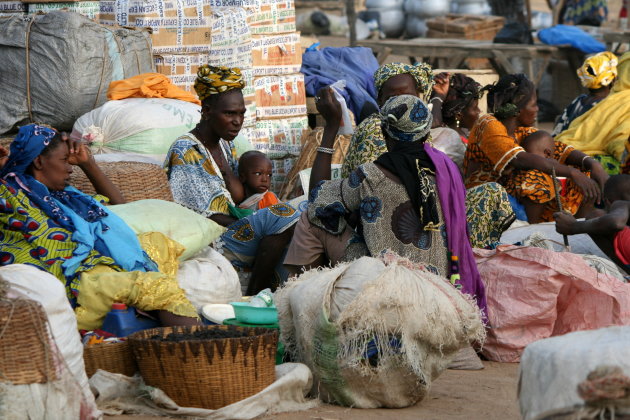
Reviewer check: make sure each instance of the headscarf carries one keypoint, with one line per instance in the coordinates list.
(421, 72)
(92, 226)
(212, 80)
(31, 140)
(407, 120)
(509, 95)
(598, 71)
(461, 92)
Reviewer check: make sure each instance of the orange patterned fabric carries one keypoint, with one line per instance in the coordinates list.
(490, 150)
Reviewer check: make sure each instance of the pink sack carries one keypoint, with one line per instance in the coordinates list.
(534, 293)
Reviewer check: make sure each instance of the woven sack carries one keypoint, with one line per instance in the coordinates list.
(209, 373)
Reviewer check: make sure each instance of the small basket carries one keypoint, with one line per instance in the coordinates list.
(112, 357)
(208, 373)
(27, 352)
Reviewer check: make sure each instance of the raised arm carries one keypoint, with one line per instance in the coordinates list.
(438, 95)
(330, 110)
(80, 156)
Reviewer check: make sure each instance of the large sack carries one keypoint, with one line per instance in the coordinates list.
(137, 126)
(375, 333)
(551, 371)
(535, 293)
(70, 394)
(208, 277)
(71, 62)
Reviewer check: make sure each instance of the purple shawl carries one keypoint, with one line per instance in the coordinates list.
(452, 195)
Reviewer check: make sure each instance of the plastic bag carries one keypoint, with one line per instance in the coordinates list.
(346, 120)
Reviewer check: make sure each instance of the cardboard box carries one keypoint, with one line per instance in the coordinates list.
(273, 17)
(178, 26)
(89, 9)
(276, 54)
(182, 70)
(231, 39)
(12, 7)
(280, 138)
(280, 96)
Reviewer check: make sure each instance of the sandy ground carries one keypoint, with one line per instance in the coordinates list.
(488, 394)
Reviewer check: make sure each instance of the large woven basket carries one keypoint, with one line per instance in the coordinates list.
(27, 355)
(207, 373)
(136, 180)
(112, 357)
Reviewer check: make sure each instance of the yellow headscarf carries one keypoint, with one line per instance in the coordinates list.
(213, 80)
(598, 71)
(605, 128)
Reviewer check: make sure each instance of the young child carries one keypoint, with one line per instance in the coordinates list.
(608, 229)
(539, 143)
(254, 170)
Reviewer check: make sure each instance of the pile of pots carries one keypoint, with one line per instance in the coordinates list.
(418, 11)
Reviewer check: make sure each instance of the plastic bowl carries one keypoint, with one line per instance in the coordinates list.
(253, 315)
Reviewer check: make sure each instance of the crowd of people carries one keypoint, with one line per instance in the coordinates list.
(426, 177)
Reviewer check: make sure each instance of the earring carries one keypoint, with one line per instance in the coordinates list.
(457, 123)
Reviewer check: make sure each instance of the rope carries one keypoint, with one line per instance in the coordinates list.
(28, 69)
(100, 83)
(606, 385)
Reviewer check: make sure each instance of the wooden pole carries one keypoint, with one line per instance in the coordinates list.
(351, 13)
(528, 3)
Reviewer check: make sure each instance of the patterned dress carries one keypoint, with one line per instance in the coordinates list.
(485, 226)
(388, 221)
(491, 149)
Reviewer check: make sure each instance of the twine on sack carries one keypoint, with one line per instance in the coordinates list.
(28, 69)
(607, 389)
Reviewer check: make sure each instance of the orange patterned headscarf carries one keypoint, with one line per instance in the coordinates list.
(212, 80)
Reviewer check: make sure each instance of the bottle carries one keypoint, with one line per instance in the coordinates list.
(263, 299)
(122, 321)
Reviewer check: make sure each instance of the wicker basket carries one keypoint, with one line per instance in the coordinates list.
(207, 373)
(112, 357)
(27, 355)
(136, 180)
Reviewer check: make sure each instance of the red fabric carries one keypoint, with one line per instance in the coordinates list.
(268, 200)
(622, 245)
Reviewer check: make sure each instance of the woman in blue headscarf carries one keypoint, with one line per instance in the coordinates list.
(48, 224)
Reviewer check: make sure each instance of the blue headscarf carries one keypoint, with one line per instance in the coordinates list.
(91, 224)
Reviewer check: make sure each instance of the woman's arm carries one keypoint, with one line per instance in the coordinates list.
(527, 161)
(440, 90)
(222, 219)
(584, 161)
(80, 155)
(609, 224)
(330, 110)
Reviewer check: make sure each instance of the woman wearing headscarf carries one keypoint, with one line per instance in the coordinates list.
(605, 128)
(597, 74)
(368, 143)
(494, 155)
(52, 226)
(202, 170)
(410, 200)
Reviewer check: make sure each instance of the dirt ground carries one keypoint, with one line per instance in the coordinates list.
(488, 394)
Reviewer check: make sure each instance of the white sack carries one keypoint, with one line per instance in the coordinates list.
(118, 394)
(208, 277)
(551, 369)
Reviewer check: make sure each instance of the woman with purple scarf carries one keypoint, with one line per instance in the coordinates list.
(411, 201)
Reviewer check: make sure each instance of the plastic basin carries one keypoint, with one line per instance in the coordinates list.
(253, 315)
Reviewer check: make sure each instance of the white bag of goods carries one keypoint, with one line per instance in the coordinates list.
(70, 63)
(208, 277)
(137, 125)
(57, 396)
(375, 332)
(552, 370)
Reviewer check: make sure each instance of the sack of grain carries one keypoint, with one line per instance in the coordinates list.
(57, 66)
(380, 322)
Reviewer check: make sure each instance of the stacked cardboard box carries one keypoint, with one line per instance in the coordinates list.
(12, 7)
(89, 9)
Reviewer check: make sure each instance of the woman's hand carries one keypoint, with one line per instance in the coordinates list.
(564, 223)
(588, 186)
(328, 106)
(442, 83)
(80, 155)
(598, 173)
(4, 156)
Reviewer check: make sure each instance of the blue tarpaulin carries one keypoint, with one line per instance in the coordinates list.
(571, 35)
(354, 65)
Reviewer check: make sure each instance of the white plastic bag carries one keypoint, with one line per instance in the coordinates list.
(346, 120)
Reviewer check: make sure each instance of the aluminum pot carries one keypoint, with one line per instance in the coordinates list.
(392, 22)
(384, 4)
(415, 27)
(427, 8)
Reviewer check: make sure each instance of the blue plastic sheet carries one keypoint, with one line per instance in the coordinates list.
(571, 35)
(355, 65)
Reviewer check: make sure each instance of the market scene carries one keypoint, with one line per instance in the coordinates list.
(314, 209)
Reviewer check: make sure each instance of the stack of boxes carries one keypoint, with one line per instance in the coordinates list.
(259, 36)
